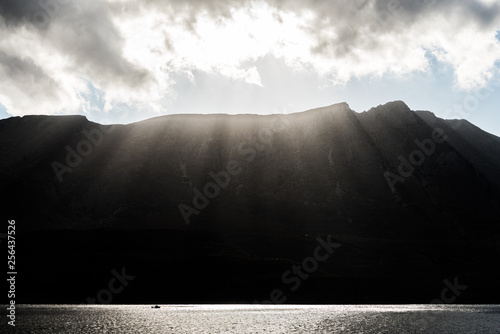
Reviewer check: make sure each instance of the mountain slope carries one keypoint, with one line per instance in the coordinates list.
(402, 191)
(324, 163)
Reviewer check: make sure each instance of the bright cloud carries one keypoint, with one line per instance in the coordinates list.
(131, 51)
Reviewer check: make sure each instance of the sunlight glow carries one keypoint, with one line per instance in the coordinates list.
(135, 53)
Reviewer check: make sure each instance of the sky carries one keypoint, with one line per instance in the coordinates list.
(122, 61)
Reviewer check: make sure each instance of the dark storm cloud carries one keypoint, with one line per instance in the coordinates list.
(39, 13)
(82, 31)
(13, 11)
(484, 14)
(473, 10)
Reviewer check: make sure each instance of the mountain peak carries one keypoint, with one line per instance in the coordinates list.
(336, 107)
(397, 105)
(339, 106)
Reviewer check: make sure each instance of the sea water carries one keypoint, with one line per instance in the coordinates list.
(190, 319)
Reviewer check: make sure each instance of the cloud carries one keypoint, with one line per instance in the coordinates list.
(13, 11)
(23, 83)
(359, 38)
(131, 52)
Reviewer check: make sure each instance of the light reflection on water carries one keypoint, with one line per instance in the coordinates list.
(180, 319)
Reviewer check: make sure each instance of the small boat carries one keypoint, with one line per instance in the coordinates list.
(156, 306)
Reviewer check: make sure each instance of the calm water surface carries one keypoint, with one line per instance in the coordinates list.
(189, 319)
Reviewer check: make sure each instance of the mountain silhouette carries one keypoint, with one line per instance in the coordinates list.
(215, 208)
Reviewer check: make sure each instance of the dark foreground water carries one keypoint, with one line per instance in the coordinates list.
(191, 319)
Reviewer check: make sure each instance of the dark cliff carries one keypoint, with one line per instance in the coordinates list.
(403, 192)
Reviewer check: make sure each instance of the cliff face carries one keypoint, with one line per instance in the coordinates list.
(410, 198)
(388, 170)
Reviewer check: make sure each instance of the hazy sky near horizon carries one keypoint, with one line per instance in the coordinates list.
(120, 61)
